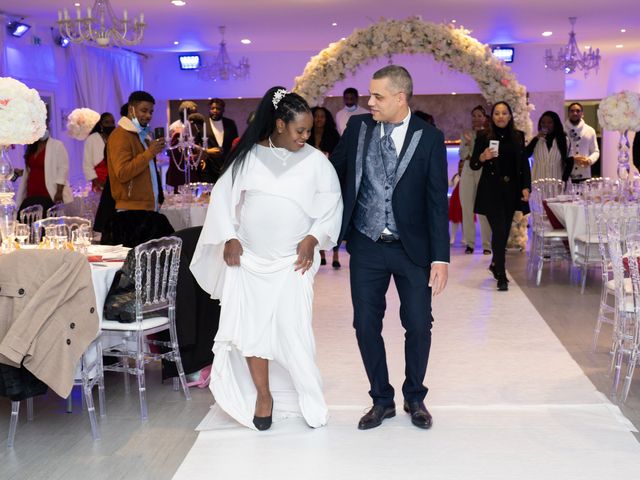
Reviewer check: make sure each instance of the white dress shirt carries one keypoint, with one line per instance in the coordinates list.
(218, 131)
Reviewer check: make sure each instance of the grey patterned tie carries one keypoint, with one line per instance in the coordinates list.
(388, 149)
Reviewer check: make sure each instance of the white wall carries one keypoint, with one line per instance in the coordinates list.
(165, 80)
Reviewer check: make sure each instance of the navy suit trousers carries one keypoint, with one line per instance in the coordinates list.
(372, 265)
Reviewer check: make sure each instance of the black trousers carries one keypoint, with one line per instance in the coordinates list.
(372, 265)
(500, 220)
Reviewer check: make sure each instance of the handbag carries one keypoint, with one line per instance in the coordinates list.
(120, 304)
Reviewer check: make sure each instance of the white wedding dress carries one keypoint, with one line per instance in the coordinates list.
(275, 200)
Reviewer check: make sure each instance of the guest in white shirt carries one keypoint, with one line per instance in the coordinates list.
(351, 108)
(583, 145)
(94, 165)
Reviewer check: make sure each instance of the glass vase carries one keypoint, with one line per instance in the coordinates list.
(623, 156)
(6, 173)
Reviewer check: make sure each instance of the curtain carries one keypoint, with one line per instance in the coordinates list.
(103, 78)
(3, 45)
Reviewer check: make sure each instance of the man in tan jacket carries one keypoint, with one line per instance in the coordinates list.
(134, 178)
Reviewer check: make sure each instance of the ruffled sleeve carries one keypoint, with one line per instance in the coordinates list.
(207, 264)
(326, 205)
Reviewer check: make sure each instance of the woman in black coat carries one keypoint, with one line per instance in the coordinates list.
(324, 136)
(504, 184)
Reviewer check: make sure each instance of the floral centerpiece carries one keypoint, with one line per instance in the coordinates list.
(80, 122)
(446, 43)
(22, 120)
(621, 112)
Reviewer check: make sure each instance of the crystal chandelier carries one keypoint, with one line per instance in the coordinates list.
(222, 68)
(101, 26)
(570, 58)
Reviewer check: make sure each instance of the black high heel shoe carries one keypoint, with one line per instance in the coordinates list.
(264, 423)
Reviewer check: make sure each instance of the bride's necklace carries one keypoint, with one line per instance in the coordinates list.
(282, 156)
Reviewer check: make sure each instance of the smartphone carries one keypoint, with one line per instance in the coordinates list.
(494, 145)
(158, 132)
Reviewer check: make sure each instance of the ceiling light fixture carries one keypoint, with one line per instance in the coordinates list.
(623, 30)
(547, 34)
(245, 41)
(222, 68)
(619, 45)
(176, 42)
(101, 26)
(334, 24)
(17, 29)
(570, 58)
(178, 3)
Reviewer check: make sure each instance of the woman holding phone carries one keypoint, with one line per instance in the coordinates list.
(549, 149)
(504, 184)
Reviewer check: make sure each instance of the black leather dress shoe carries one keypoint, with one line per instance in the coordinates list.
(264, 423)
(420, 416)
(494, 272)
(468, 250)
(374, 417)
(503, 283)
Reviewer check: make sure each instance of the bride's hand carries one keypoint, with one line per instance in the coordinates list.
(232, 252)
(305, 253)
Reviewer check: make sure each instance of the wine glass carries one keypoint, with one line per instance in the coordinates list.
(50, 236)
(62, 236)
(22, 232)
(8, 215)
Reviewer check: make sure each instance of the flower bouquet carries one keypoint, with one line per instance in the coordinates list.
(80, 122)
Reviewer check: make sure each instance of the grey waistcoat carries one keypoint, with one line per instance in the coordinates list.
(373, 211)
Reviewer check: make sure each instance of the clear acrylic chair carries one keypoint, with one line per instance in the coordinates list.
(156, 275)
(56, 211)
(619, 231)
(547, 244)
(632, 330)
(72, 223)
(29, 215)
(586, 252)
(607, 307)
(90, 373)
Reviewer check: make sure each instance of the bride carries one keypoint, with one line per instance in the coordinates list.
(276, 205)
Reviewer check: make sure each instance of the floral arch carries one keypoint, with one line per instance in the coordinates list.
(446, 43)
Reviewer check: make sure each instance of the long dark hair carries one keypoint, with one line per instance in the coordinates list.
(511, 130)
(97, 128)
(330, 135)
(264, 124)
(557, 132)
(31, 148)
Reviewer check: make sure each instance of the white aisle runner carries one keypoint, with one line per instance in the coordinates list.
(507, 400)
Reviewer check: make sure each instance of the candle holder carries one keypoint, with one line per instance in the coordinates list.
(186, 154)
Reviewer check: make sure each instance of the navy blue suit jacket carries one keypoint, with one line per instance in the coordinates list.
(420, 203)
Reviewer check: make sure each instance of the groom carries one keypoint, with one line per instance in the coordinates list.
(393, 170)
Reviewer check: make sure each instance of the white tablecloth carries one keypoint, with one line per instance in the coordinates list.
(185, 216)
(571, 215)
(102, 275)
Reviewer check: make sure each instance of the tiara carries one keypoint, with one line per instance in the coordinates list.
(277, 96)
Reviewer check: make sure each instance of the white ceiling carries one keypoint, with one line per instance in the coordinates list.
(305, 25)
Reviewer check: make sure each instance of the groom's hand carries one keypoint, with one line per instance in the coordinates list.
(438, 277)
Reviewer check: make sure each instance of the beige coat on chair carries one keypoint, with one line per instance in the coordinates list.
(47, 314)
